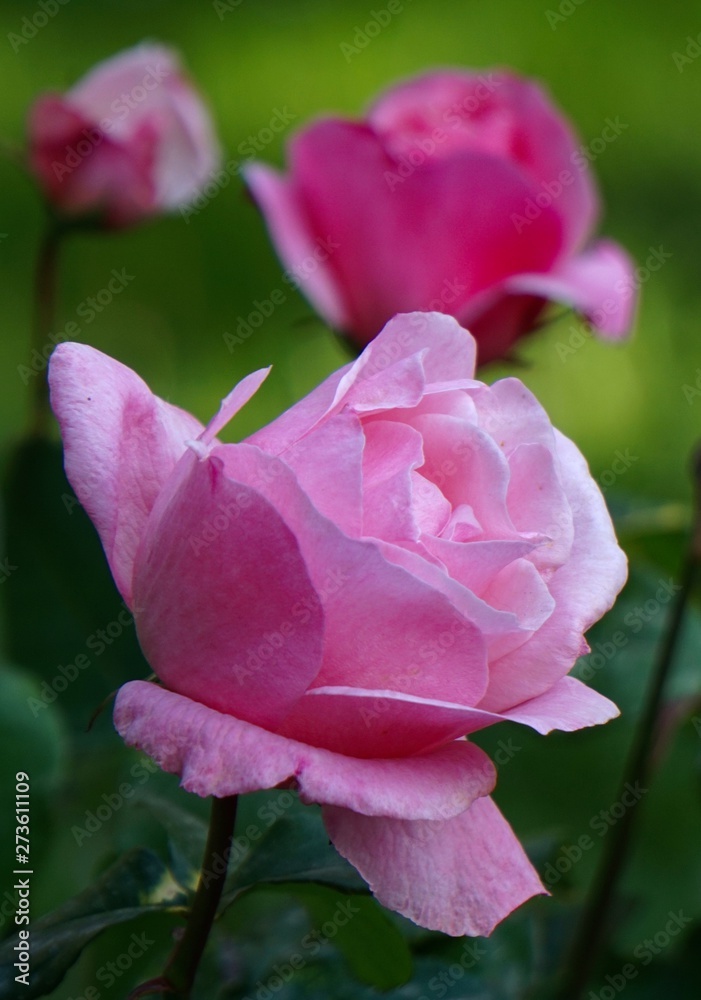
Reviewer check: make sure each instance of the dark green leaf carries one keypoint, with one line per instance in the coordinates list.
(287, 842)
(137, 884)
(370, 942)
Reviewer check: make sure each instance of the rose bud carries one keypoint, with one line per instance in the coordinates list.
(459, 192)
(131, 140)
(404, 557)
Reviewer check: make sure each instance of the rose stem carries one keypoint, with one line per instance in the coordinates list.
(593, 922)
(44, 308)
(182, 964)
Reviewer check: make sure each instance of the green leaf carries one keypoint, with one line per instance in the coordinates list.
(370, 942)
(187, 835)
(287, 843)
(137, 884)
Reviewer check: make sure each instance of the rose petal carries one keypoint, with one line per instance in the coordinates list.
(599, 283)
(460, 876)
(121, 444)
(584, 588)
(497, 113)
(217, 754)
(225, 609)
(377, 615)
(408, 242)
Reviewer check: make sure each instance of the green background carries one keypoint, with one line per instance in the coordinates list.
(194, 280)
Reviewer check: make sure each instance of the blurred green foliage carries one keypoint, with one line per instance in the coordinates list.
(193, 280)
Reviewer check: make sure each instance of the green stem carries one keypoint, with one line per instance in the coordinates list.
(180, 971)
(45, 277)
(594, 920)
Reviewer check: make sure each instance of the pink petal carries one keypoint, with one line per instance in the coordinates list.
(599, 283)
(460, 876)
(520, 589)
(538, 503)
(481, 473)
(499, 114)
(377, 615)
(328, 466)
(409, 244)
(96, 92)
(110, 178)
(413, 349)
(475, 564)
(494, 625)
(366, 723)
(376, 723)
(295, 241)
(448, 350)
(584, 588)
(226, 612)
(217, 754)
(235, 401)
(392, 451)
(567, 706)
(510, 413)
(121, 444)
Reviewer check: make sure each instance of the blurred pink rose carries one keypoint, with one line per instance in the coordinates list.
(460, 192)
(130, 140)
(404, 557)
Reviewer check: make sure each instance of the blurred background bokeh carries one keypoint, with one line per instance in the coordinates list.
(195, 278)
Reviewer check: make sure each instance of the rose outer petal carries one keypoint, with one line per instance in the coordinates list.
(121, 443)
(460, 876)
(599, 282)
(367, 723)
(217, 754)
(225, 609)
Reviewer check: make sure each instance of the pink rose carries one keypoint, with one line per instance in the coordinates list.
(128, 141)
(404, 557)
(459, 192)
